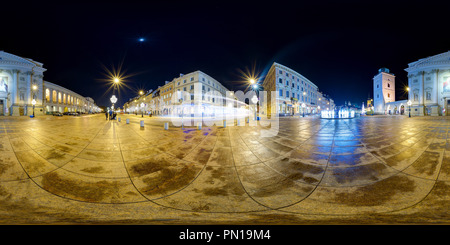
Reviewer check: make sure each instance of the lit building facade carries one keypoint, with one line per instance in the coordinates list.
(293, 90)
(22, 86)
(166, 92)
(186, 92)
(383, 90)
(429, 85)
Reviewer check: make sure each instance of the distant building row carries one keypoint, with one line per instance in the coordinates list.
(195, 88)
(292, 91)
(22, 85)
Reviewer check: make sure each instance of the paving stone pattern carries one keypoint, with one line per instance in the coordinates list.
(382, 170)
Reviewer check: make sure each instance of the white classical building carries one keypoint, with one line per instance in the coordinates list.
(22, 86)
(429, 85)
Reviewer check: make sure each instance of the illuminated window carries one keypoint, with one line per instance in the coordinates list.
(47, 95)
(54, 96)
(64, 98)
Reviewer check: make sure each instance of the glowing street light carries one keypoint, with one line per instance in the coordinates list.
(252, 81)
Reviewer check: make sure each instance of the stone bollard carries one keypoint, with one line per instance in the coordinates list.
(119, 119)
(128, 121)
(166, 126)
(142, 123)
(199, 126)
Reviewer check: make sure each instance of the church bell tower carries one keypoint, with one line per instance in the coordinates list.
(383, 90)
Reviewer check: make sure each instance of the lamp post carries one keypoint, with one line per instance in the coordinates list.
(409, 105)
(255, 100)
(113, 100)
(33, 102)
(303, 109)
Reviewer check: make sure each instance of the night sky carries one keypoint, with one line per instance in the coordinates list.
(338, 45)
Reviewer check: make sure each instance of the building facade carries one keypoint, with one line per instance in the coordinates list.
(383, 90)
(198, 88)
(23, 90)
(429, 85)
(184, 93)
(295, 93)
(166, 92)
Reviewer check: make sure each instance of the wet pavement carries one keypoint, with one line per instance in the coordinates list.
(368, 170)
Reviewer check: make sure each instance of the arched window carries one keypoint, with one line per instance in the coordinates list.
(47, 95)
(389, 95)
(59, 97)
(54, 96)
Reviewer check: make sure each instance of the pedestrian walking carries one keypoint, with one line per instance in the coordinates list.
(106, 114)
(110, 114)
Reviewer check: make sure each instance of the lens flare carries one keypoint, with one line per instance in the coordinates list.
(249, 78)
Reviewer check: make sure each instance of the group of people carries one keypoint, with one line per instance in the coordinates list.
(111, 115)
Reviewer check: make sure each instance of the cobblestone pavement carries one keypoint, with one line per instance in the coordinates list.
(376, 170)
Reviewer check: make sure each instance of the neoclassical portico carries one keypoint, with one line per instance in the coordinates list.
(429, 85)
(21, 79)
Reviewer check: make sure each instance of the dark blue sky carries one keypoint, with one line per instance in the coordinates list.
(338, 45)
